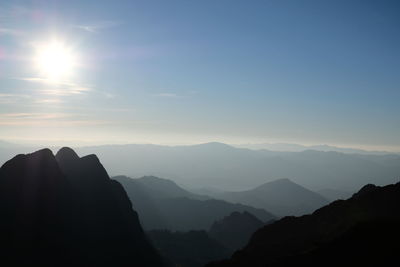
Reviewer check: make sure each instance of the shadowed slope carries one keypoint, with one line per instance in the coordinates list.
(235, 230)
(326, 237)
(188, 249)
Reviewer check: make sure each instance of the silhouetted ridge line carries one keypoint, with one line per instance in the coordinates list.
(66, 155)
(360, 231)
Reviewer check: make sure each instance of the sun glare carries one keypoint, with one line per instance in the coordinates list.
(55, 60)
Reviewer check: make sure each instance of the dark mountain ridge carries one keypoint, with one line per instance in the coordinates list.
(66, 211)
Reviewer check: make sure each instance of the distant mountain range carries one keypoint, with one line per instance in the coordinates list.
(236, 169)
(281, 197)
(286, 147)
(164, 205)
(217, 165)
(64, 210)
(360, 231)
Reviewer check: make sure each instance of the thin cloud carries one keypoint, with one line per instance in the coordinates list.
(46, 119)
(168, 95)
(65, 91)
(49, 101)
(14, 95)
(12, 98)
(98, 26)
(63, 87)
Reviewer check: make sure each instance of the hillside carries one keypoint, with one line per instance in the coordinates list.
(360, 231)
(188, 249)
(234, 231)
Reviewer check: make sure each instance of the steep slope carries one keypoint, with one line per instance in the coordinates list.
(362, 230)
(159, 209)
(66, 211)
(145, 203)
(235, 230)
(282, 197)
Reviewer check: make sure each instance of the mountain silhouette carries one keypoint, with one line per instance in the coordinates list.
(360, 231)
(281, 197)
(173, 208)
(235, 230)
(66, 211)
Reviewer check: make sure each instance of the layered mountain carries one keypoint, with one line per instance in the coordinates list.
(281, 197)
(198, 247)
(221, 166)
(360, 231)
(64, 210)
(188, 249)
(164, 205)
(237, 169)
(235, 230)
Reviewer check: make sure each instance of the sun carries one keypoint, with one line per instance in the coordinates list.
(55, 60)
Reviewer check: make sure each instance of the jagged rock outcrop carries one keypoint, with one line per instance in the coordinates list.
(66, 211)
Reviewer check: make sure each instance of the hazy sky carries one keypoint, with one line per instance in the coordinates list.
(305, 72)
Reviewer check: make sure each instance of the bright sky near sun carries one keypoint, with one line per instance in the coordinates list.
(177, 72)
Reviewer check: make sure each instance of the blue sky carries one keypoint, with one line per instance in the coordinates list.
(180, 72)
